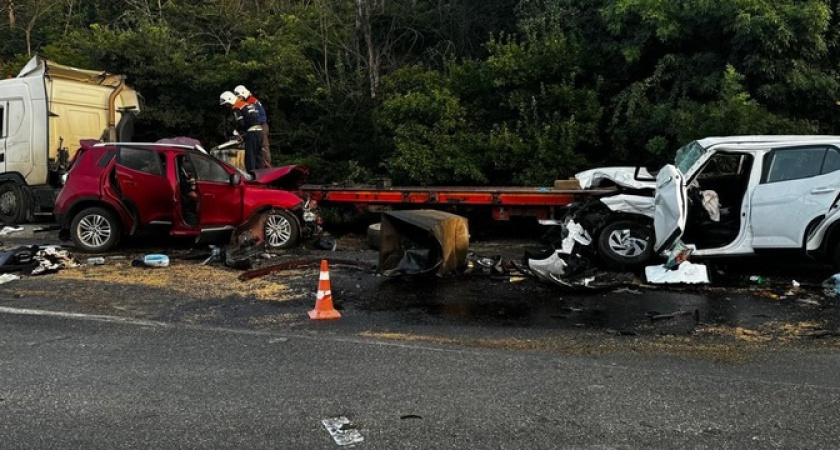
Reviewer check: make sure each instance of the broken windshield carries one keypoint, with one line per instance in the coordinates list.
(688, 155)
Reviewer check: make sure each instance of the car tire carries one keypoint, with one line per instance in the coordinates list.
(13, 203)
(95, 230)
(281, 230)
(625, 244)
(374, 235)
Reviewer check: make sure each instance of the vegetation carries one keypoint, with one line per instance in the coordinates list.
(456, 91)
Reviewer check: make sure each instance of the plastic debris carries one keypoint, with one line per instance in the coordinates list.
(342, 431)
(759, 280)
(9, 230)
(686, 272)
(151, 261)
(7, 277)
(95, 261)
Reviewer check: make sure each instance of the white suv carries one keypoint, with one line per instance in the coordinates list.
(724, 196)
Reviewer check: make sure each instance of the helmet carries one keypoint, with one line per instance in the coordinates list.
(227, 98)
(242, 91)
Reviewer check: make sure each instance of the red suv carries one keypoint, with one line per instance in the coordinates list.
(117, 189)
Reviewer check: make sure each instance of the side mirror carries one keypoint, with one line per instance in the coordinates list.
(235, 179)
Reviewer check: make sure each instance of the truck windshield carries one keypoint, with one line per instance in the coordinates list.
(688, 155)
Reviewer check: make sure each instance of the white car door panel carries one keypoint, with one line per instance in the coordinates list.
(783, 205)
(671, 208)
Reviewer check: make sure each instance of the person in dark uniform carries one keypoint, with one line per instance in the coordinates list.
(243, 93)
(248, 124)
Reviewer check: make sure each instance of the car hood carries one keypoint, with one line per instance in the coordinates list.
(626, 177)
(285, 177)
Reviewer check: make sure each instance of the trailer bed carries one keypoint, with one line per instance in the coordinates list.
(504, 201)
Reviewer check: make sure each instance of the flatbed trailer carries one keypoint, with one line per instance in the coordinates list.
(543, 203)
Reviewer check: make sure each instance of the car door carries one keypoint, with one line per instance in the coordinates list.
(670, 207)
(143, 186)
(797, 186)
(221, 200)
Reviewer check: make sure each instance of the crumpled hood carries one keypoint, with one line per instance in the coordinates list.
(621, 176)
(285, 177)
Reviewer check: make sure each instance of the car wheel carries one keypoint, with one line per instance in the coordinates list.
(625, 244)
(374, 235)
(95, 230)
(281, 230)
(13, 203)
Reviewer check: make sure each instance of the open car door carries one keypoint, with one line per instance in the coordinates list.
(671, 207)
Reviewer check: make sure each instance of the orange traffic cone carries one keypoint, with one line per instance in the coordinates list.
(323, 303)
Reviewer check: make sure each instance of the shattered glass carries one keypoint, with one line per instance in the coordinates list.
(688, 155)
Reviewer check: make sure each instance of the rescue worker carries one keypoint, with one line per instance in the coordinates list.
(248, 124)
(243, 93)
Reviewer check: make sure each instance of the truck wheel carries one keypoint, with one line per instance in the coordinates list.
(95, 230)
(281, 230)
(13, 203)
(374, 235)
(625, 244)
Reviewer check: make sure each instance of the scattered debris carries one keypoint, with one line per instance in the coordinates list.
(410, 416)
(35, 260)
(422, 242)
(342, 431)
(95, 261)
(7, 277)
(9, 230)
(686, 272)
(831, 286)
(151, 261)
(807, 301)
(247, 242)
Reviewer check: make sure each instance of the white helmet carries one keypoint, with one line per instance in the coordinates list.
(227, 98)
(242, 91)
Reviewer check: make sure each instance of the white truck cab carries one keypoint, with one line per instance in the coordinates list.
(44, 112)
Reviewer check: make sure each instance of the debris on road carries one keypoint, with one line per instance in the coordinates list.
(151, 261)
(831, 286)
(422, 242)
(7, 277)
(343, 431)
(35, 260)
(9, 230)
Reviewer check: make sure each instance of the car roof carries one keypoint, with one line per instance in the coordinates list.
(765, 139)
(145, 144)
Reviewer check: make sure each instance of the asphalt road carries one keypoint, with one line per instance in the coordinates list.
(99, 383)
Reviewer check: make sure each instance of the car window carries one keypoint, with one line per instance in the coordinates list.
(722, 164)
(795, 164)
(142, 159)
(208, 170)
(832, 161)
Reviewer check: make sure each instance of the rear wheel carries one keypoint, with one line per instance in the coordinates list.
(281, 230)
(13, 203)
(625, 244)
(95, 230)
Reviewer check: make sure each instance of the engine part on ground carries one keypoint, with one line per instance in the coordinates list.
(422, 242)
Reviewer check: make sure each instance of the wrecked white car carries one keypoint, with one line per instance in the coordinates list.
(723, 196)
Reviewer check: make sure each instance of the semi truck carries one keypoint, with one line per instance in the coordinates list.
(44, 113)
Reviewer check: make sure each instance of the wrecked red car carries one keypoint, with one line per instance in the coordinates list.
(113, 190)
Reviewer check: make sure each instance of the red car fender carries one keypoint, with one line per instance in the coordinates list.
(259, 198)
